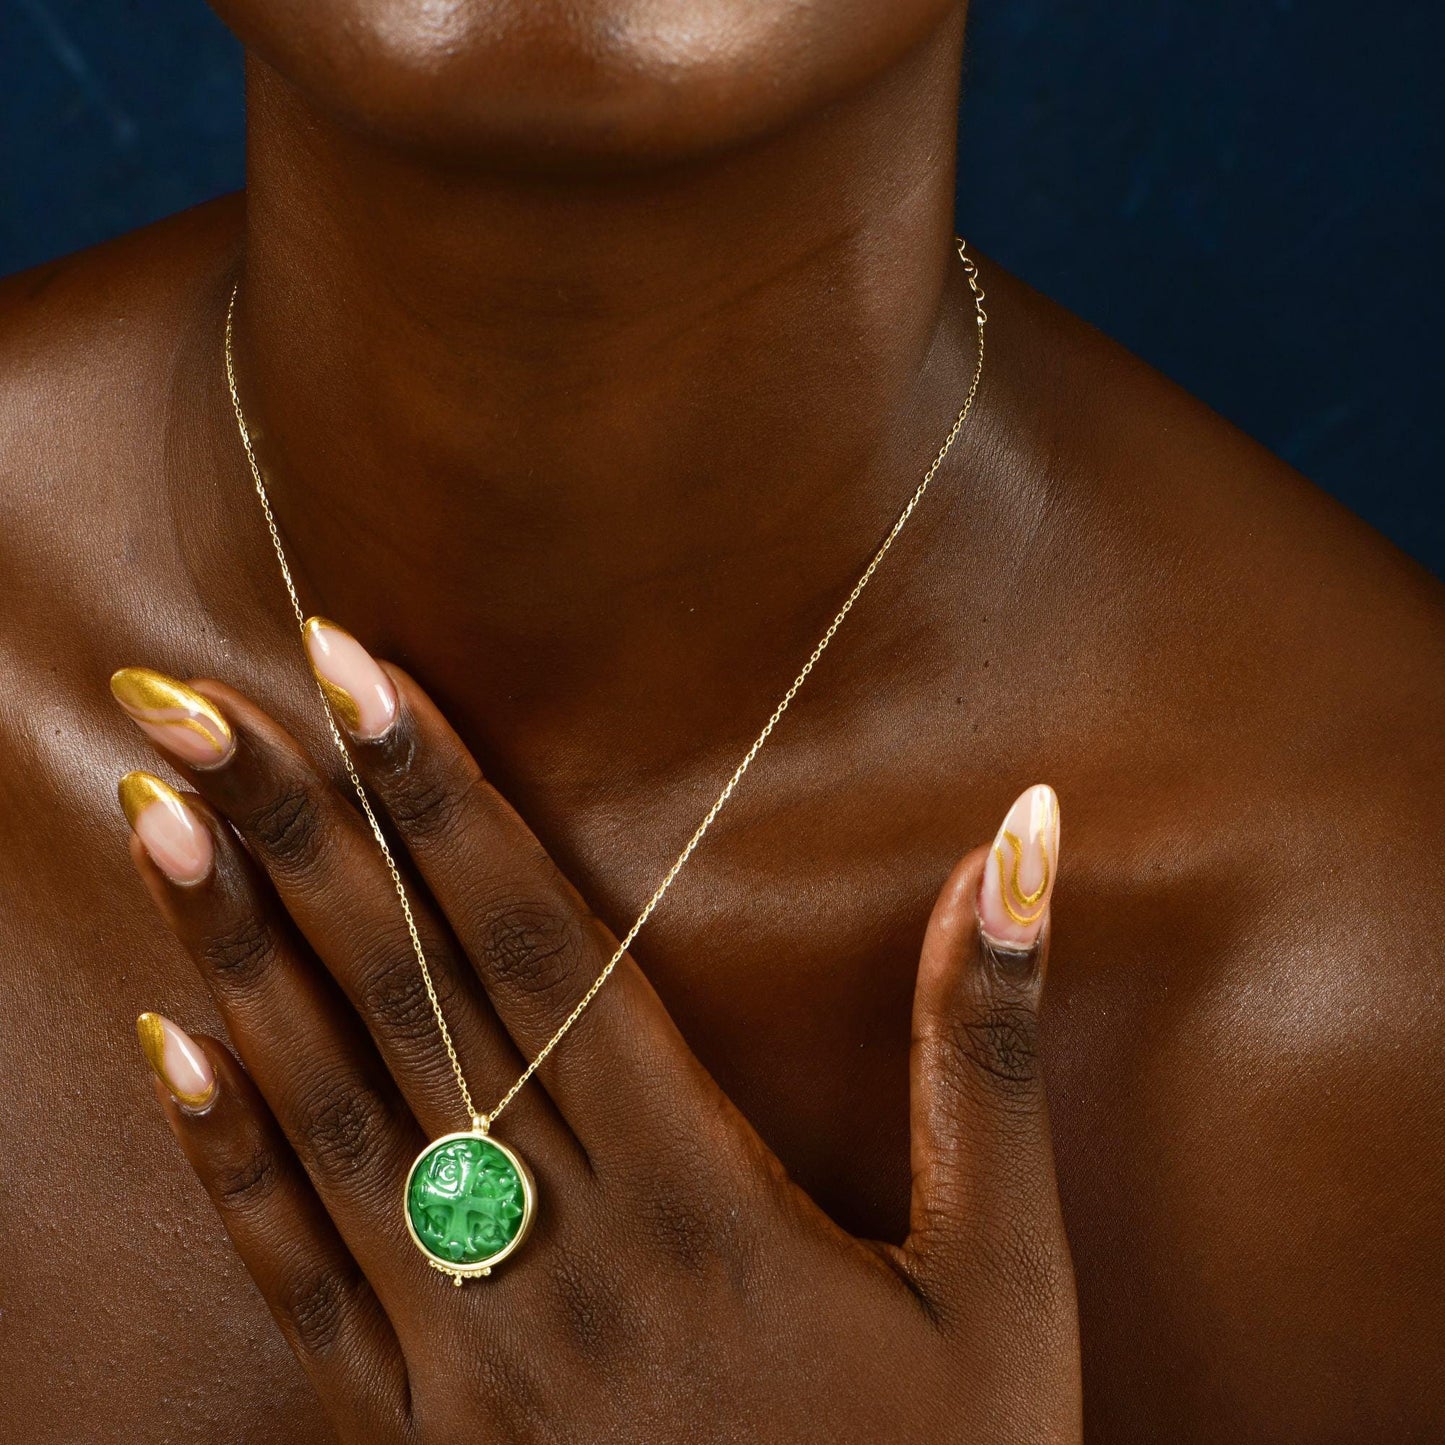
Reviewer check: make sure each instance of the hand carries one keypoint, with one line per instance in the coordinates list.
(677, 1286)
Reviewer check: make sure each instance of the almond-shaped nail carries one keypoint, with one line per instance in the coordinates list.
(178, 842)
(1018, 879)
(174, 715)
(359, 692)
(177, 1060)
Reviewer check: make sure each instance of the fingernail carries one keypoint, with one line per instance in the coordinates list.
(177, 1060)
(1018, 879)
(174, 715)
(359, 692)
(178, 842)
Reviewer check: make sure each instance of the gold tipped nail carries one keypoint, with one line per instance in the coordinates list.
(152, 1035)
(138, 790)
(176, 1061)
(175, 715)
(340, 701)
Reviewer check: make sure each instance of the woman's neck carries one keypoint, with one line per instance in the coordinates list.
(557, 440)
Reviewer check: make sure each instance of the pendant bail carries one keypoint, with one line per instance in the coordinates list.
(481, 1123)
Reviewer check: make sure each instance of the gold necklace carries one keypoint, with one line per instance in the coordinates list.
(469, 1168)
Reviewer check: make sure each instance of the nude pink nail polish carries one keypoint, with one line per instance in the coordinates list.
(177, 1060)
(178, 842)
(360, 693)
(1018, 879)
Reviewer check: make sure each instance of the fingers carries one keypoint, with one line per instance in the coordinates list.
(309, 1280)
(986, 1230)
(327, 870)
(315, 1065)
(535, 944)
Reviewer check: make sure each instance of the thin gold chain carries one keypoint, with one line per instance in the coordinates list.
(480, 1121)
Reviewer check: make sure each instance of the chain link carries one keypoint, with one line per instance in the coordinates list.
(483, 1121)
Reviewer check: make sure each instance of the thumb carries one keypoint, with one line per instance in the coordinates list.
(987, 1238)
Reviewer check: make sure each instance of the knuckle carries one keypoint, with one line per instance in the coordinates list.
(517, 1402)
(238, 1184)
(340, 1128)
(998, 1049)
(394, 997)
(288, 826)
(422, 804)
(527, 947)
(590, 1307)
(693, 1211)
(313, 1307)
(685, 1230)
(239, 952)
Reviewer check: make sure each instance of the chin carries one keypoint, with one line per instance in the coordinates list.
(561, 81)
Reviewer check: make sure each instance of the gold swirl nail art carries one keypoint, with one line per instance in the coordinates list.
(1022, 905)
(177, 717)
(340, 701)
(1010, 910)
(176, 1061)
(355, 687)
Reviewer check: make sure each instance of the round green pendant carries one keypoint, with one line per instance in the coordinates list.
(469, 1203)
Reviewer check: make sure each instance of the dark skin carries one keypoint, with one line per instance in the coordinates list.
(678, 1280)
(586, 409)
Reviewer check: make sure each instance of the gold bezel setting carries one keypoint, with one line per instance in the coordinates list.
(482, 1267)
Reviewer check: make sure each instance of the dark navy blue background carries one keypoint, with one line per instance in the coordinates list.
(1245, 192)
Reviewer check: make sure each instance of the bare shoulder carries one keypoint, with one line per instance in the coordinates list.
(119, 289)
(1207, 599)
(1247, 1019)
(89, 347)
(127, 1314)
(88, 344)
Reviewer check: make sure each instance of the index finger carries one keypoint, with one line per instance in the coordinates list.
(553, 970)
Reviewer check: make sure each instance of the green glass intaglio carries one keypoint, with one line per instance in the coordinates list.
(469, 1203)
